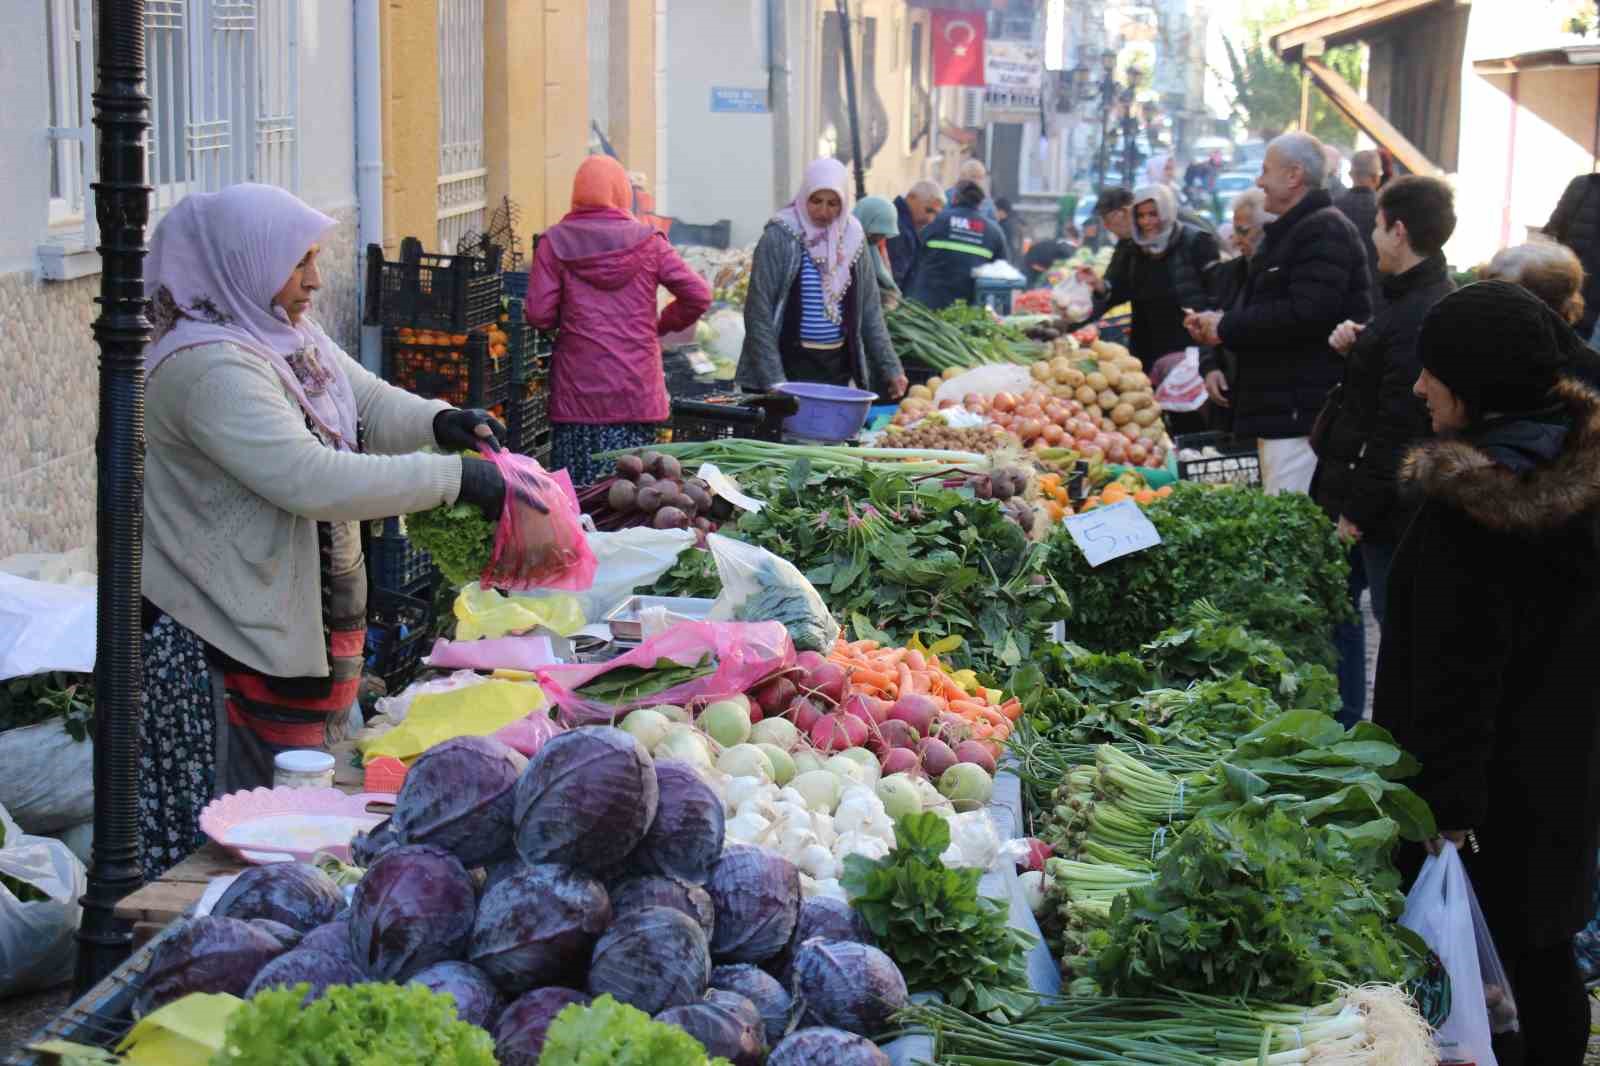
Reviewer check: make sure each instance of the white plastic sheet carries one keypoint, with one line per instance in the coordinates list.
(45, 627)
(46, 777)
(37, 948)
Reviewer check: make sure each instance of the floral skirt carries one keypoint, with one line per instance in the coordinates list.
(177, 745)
(573, 446)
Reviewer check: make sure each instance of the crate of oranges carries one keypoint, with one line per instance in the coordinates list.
(455, 293)
(464, 369)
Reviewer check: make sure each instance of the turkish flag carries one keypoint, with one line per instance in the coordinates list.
(958, 47)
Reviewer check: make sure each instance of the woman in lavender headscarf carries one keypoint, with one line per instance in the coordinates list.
(267, 446)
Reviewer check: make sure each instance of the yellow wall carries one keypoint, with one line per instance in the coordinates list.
(410, 121)
(633, 84)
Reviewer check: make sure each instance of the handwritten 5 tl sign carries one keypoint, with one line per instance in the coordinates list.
(1110, 532)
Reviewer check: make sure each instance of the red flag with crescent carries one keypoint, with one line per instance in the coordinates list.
(958, 48)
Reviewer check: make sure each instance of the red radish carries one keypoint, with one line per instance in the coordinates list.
(808, 661)
(1038, 852)
(774, 696)
(900, 761)
(828, 681)
(898, 734)
(974, 752)
(917, 711)
(869, 710)
(804, 713)
(951, 728)
(936, 756)
(836, 732)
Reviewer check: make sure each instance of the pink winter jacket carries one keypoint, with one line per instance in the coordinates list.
(594, 277)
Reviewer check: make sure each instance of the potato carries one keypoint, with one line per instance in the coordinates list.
(1129, 362)
(1139, 400)
(1152, 432)
(1062, 392)
(1074, 377)
(1060, 365)
(1122, 414)
(1097, 381)
(1130, 431)
(1086, 394)
(919, 392)
(1039, 371)
(1112, 373)
(1093, 413)
(1134, 381)
(1145, 416)
(1101, 349)
(1108, 399)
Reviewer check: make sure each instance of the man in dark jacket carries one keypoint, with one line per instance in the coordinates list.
(959, 241)
(1373, 419)
(1360, 203)
(1311, 276)
(917, 208)
(1576, 224)
(1225, 282)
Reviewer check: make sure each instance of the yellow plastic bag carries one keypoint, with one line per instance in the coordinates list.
(473, 711)
(184, 1032)
(488, 614)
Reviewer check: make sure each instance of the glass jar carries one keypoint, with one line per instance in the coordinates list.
(302, 769)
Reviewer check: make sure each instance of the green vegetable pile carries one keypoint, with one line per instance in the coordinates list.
(783, 599)
(353, 1025)
(958, 336)
(629, 684)
(458, 537)
(945, 936)
(30, 700)
(608, 1033)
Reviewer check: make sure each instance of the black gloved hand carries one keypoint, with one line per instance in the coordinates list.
(481, 485)
(459, 431)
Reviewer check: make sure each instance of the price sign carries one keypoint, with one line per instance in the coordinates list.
(1110, 532)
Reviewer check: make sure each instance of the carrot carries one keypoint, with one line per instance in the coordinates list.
(877, 679)
(916, 660)
(995, 718)
(904, 672)
(866, 645)
(968, 708)
(1012, 708)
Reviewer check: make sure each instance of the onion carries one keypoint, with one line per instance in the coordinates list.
(775, 695)
(836, 732)
(804, 713)
(974, 752)
(828, 681)
(936, 756)
(898, 734)
(917, 711)
(900, 761)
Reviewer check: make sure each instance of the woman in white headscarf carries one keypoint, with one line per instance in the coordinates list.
(267, 446)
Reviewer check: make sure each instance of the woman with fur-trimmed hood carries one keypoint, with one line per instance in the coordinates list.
(1486, 672)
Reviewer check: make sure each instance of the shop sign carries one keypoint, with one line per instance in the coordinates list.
(726, 100)
(1014, 67)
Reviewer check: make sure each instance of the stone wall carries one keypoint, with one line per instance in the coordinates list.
(49, 394)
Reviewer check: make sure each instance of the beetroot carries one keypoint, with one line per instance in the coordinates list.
(899, 761)
(808, 661)
(774, 696)
(836, 732)
(973, 751)
(828, 681)
(899, 734)
(872, 711)
(804, 713)
(936, 756)
(951, 728)
(1038, 852)
(917, 711)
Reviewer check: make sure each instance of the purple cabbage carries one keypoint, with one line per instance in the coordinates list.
(296, 894)
(687, 834)
(478, 1002)
(586, 799)
(729, 1026)
(820, 1046)
(849, 986)
(538, 926)
(318, 969)
(414, 907)
(332, 938)
(638, 892)
(824, 916)
(520, 1032)
(208, 954)
(457, 796)
(758, 986)
(757, 898)
(651, 959)
(283, 934)
(367, 848)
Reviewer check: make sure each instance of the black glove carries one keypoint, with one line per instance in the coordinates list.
(457, 431)
(481, 485)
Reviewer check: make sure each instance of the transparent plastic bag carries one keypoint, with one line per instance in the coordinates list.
(1073, 297)
(1179, 386)
(37, 948)
(1443, 910)
(758, 586)
(540, 541)
(488, 614)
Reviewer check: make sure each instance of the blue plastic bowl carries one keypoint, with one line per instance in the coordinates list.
(827, 412)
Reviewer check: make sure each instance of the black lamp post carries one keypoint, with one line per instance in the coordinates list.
(122, 207)
(1130, 129)
(1108, 97)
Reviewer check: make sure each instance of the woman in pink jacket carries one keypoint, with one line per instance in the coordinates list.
(594, 277)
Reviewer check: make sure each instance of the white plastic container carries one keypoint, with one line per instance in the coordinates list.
(302, 769)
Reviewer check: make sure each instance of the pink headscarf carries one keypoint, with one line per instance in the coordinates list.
(216, 262)
(832, 248)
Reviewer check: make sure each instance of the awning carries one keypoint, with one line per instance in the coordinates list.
(1578, 57)
(1343, 25)
(1365, 116)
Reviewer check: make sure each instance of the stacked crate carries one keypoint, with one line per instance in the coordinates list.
(527, 411)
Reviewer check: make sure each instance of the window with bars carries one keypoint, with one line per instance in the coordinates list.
(223, 79)
(463, 178)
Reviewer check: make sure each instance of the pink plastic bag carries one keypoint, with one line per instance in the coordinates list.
(540, 542)
(1176, 377)
(745, 653)
(527, 735)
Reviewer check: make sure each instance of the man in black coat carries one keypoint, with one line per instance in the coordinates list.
(917, 208)
(1225, 281)
(1311, 276)
(1576, 224)
(1360, 203)
(1486, 673)
(1373, 418)
(959, 241)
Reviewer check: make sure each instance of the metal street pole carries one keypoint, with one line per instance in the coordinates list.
(847, 49)
(122, 206)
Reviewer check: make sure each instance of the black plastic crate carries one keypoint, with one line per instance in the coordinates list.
(721, 417)
(426, 291)
(917, 372)
(398, 564)
(1237, 464)
(717, 234)
(455, 367)
(399, 634)
(514, 284)
(528, 422)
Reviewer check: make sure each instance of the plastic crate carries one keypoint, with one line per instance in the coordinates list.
(723, 417)
(426, 291)
(689, 234)
(1238, 464)
(398, 564)
(102, 1016)
(459, 371)
(917, 372)
(528, 423)
(399, 633)
(514, 284)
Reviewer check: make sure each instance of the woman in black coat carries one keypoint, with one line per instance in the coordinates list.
(1486, 672)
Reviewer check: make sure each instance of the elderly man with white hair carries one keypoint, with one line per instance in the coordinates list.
(1309, 276)
(1226, 280)
(916, 210)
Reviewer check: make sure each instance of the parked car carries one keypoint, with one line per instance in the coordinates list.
(1232, 184)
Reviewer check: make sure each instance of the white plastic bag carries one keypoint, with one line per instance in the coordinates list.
(727, 339)
(1180, 387)
(46, 777)
(1443, 910)
(45, 627)
(627, 559)
(1073, 297)
(36, 937)
(758, 586)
